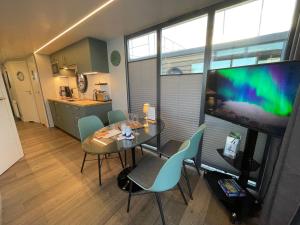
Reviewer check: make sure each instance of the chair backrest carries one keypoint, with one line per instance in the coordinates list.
(88, 125)
(116, 116)
(170, 173)
(195, 140)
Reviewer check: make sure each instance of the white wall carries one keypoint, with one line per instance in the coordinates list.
(92, 80)
(10, 147)
(26, 101)
(118, 75)
(37, 91)
(47, 82)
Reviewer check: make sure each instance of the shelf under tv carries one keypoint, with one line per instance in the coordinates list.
(237, 162)
(238, 207)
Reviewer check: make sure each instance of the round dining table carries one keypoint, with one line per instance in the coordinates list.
(142, 135)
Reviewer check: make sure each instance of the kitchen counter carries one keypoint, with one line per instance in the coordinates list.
(80, 102)
(65, 114)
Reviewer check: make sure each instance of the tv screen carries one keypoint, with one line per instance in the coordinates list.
(259, 97)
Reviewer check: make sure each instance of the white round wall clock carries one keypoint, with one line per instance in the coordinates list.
(82, 83)
(20, 76)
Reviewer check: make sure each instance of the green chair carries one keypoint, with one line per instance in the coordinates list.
(156, 175)
(116, 116)
(171, 148)
(87, 126)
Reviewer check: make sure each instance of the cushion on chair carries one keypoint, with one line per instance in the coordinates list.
(146, 171)
(170, 148)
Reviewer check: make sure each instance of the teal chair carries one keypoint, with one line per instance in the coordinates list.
(171, 148)
(156, 175)
(116, 116)
(87, 126)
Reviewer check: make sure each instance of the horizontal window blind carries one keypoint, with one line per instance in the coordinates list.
(180, 106)
(142, 86)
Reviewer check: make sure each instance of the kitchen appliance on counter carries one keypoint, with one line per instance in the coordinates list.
(101, 96)
(65, 91)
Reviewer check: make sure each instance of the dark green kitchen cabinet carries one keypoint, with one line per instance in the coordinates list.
(87, 55)
(65, 116)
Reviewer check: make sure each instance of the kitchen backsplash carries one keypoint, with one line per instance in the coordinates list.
(92, 80)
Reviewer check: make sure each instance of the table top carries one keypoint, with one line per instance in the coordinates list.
(79, 102)
(93, 145)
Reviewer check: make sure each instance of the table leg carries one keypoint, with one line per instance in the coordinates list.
(123, 180)
(133, 157)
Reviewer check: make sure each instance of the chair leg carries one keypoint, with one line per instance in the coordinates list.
(120, 157)
(84, 157)
(99, 168)
(160, 208)
(142, 149)
(182, 194)
(129, 196)
(198, 171)
(185, 174)
(125, 157)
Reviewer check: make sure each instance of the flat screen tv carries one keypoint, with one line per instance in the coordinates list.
(259, 97)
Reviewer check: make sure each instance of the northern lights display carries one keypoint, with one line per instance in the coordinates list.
(259, 97)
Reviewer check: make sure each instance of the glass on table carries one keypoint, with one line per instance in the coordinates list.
(136, 123)
(130, 116)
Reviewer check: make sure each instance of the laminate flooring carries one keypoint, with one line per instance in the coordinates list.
(46, 187)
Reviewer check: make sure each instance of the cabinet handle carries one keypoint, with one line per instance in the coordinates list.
(2, 99)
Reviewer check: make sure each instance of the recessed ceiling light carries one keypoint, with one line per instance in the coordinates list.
(75, 25)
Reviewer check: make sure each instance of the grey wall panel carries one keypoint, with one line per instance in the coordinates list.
(180, 106)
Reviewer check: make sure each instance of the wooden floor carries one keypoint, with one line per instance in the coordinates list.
(46, 187)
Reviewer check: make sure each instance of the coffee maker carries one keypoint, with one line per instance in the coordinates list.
(65, 92)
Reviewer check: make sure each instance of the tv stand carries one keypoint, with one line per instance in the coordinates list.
(248, 157)
(239, 207)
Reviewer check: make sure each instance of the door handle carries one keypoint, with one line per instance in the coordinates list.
(2, 99)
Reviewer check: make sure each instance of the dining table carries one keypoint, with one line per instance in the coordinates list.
(148, 131)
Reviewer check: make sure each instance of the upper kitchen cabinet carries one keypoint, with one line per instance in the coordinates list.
(88, 55)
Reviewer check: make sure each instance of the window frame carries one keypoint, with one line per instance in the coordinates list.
(145, 57)
(210, 11)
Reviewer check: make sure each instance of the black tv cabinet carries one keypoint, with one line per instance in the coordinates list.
(239, 207)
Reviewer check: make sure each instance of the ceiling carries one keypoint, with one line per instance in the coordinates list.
(27, 25)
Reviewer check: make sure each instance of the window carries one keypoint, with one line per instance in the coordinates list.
(142, 47)
(259, 35)
(182, 47)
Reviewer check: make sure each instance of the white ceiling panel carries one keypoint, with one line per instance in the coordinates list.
(27, 25)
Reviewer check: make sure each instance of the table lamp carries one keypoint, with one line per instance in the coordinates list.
(145, 110)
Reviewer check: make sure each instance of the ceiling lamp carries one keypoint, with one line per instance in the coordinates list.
(75, 25)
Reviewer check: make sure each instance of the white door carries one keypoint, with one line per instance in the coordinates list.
(37, 90)
(10, 147)
(23, 91)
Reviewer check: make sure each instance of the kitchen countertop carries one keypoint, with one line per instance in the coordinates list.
(80, 102)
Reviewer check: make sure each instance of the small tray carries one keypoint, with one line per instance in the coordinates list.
(135, 125)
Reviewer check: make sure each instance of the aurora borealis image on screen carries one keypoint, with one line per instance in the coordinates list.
(259, 97)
